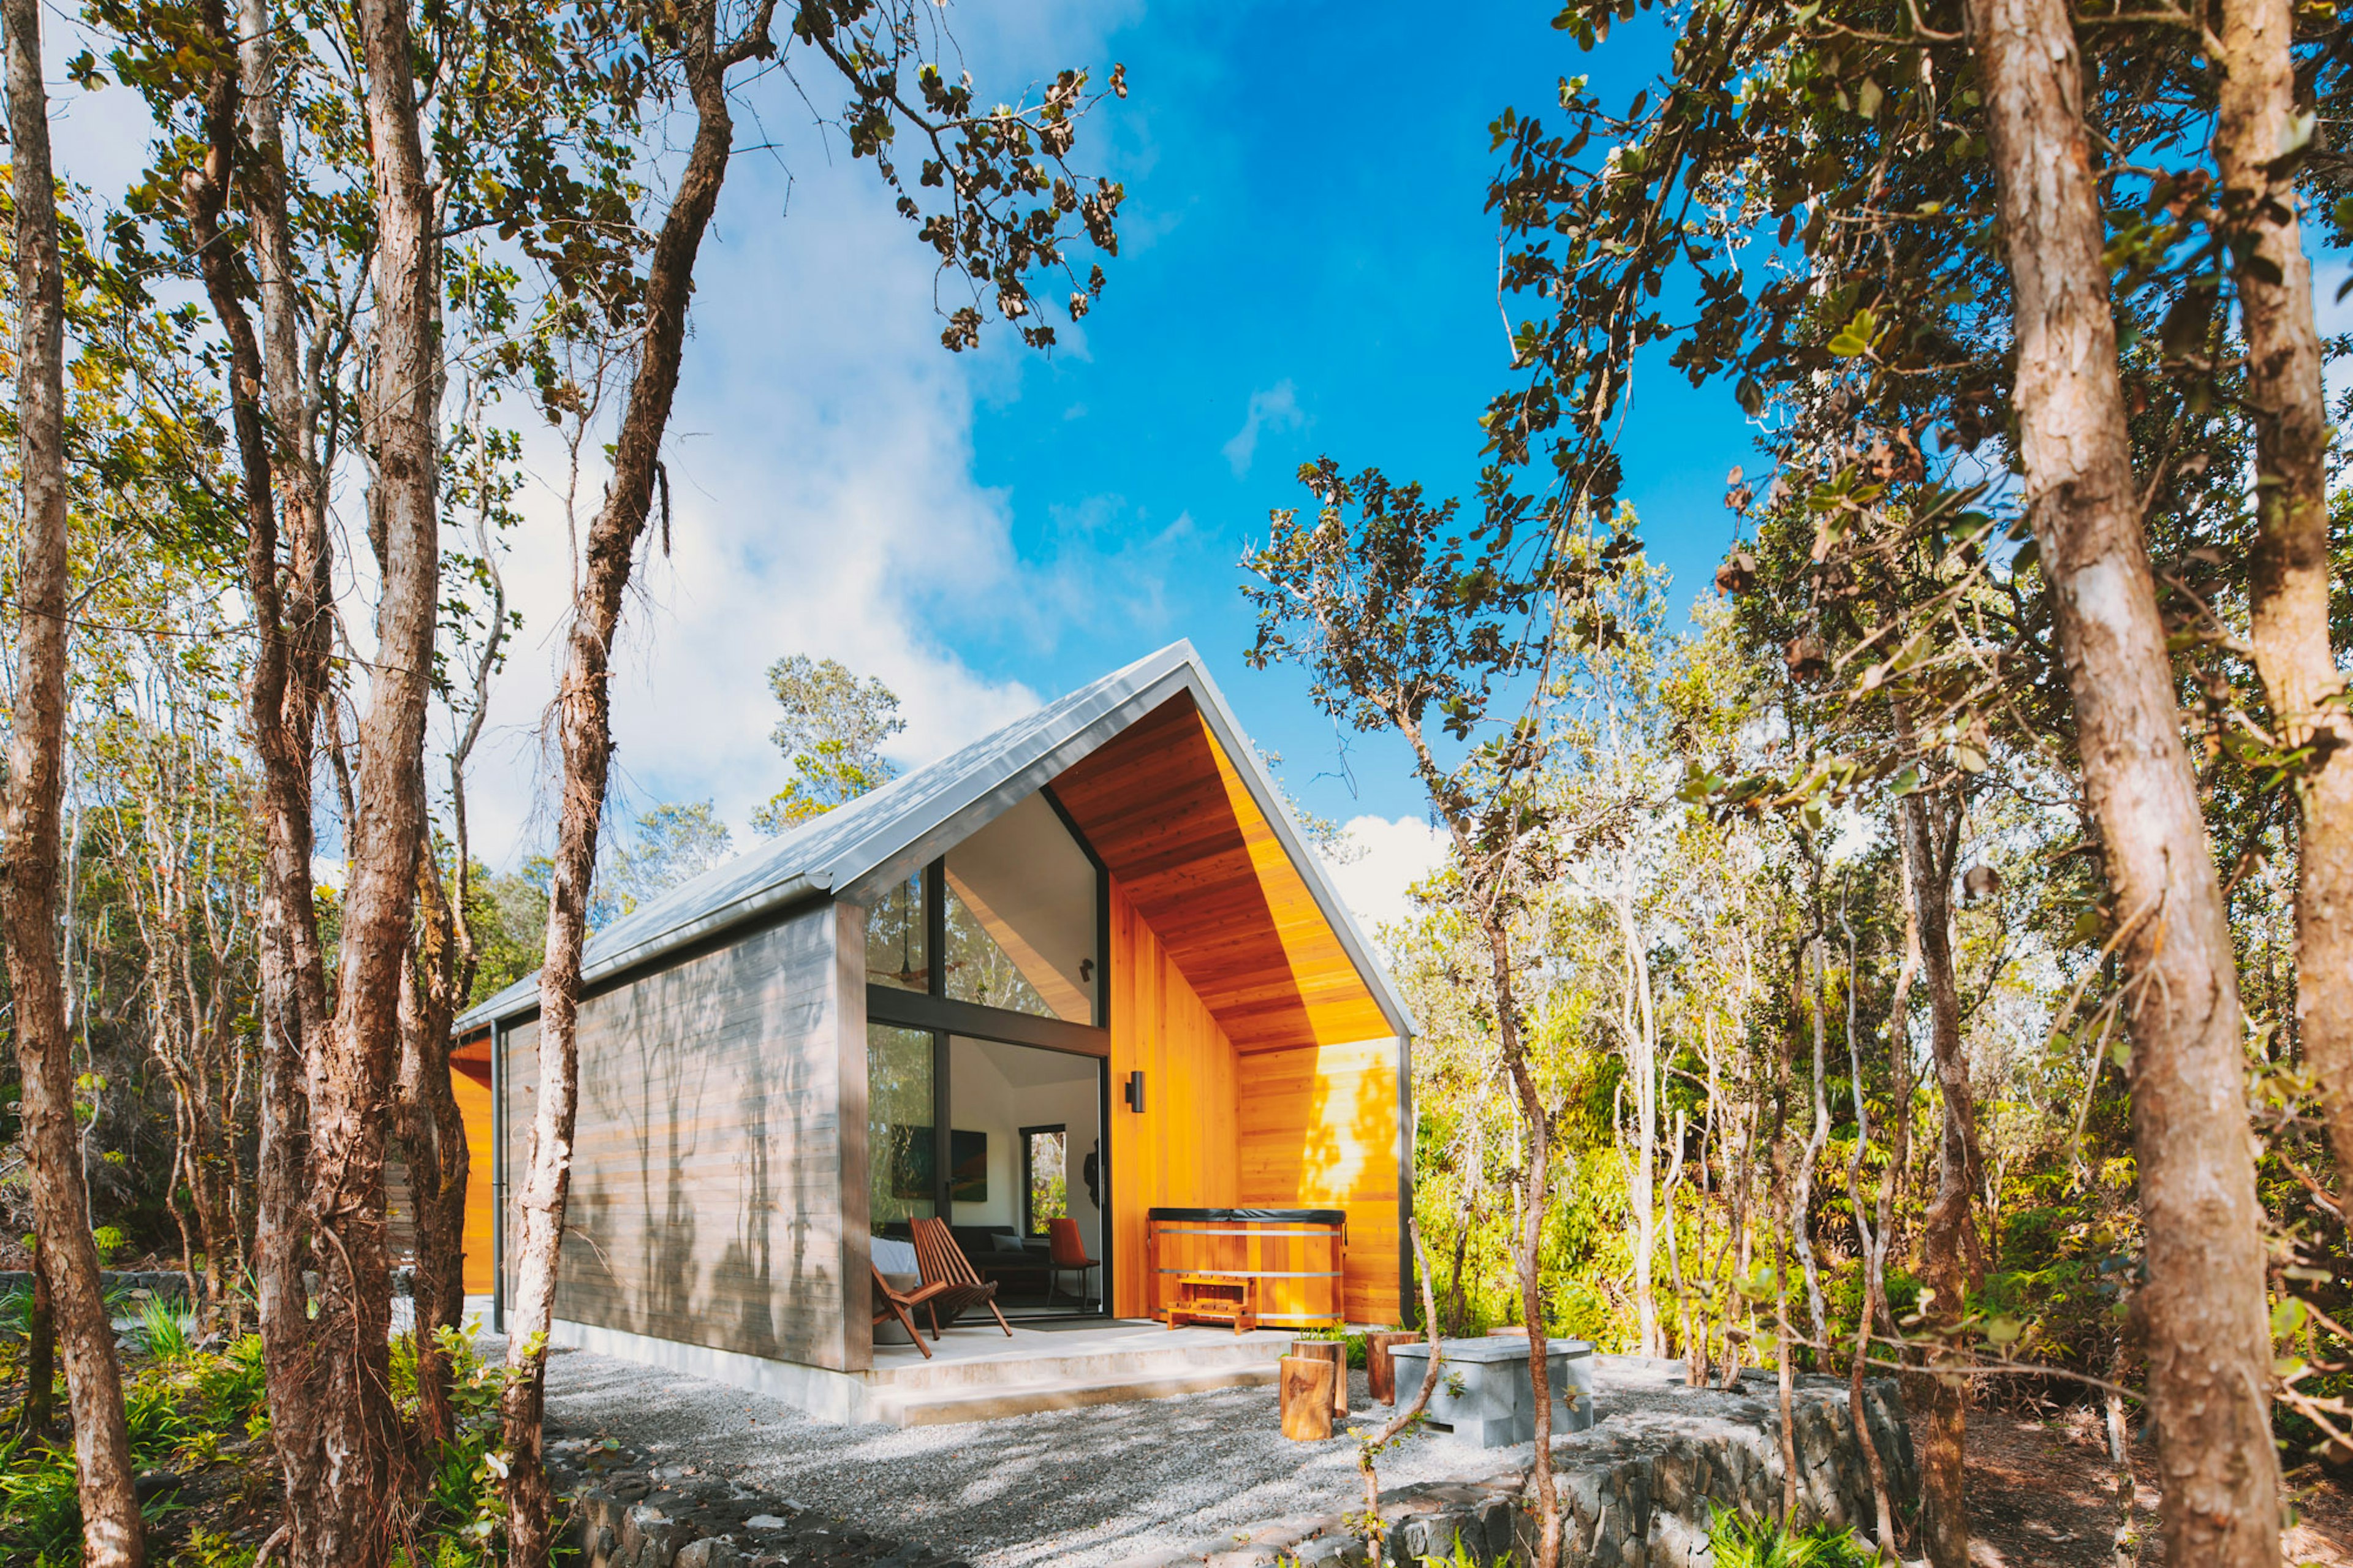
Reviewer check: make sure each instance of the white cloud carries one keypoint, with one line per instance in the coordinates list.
(821, 467)
(1270, 408)
(1390, 857)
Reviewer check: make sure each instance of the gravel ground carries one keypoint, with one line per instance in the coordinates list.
(1081, 1488)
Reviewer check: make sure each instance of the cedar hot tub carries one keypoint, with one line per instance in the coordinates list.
(1296, 1258)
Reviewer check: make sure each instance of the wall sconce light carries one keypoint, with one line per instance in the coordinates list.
(1135, 1092)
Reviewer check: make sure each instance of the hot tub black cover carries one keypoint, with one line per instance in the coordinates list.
(1297, 1217)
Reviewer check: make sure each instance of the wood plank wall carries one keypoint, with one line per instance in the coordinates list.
(1180, 1152)
(707, 1178)
(481, 1205)
(1318, 1130)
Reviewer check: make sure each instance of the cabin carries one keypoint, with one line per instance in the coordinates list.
(1081, 979)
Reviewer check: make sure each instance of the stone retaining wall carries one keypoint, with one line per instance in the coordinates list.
(164, 1282)
(1636, 1491)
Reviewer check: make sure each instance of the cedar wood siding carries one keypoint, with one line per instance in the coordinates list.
(1314, 1126)
(1319, 1129)
(1180, 1154)
(722, 1115)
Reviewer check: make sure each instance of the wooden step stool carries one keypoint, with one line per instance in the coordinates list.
(1215, 1299)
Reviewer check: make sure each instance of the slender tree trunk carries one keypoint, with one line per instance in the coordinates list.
(2209, 1347)
(1872, 1245)
(583, 727)
(1949, 1254)
(1642, 1035)
(1801, 1218)
(1539, 1180)
(112, 1534)
(40, 1412)
(2288, 569)
(1784, 1350)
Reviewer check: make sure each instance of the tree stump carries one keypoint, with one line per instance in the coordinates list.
(1381, 1367)
(1306, 1398)
(1336, 1352)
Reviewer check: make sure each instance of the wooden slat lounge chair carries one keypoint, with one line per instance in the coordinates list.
(901, 1303)
(943, 1264)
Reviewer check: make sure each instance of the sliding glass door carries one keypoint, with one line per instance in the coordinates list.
(986, 1052)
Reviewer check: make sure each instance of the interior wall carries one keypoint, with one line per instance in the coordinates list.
(1180, 1152)
(988, 1100)
(1318, 1129)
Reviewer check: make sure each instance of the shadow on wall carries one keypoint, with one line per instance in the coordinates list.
(702, 1114)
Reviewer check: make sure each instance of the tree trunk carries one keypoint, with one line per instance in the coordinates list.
(112, 1534)
(1642, 1033)
(2288, 569)
(583, 727)
(40, 1411)
(2209, 1348)
(1951, 1259)
(1801, 1218)
(1872, 1245)
(343, 1459)
(433, 1143)
(1532, 1212)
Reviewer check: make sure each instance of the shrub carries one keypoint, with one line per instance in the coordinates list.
(110, 1240)
(231, 1389)
(1753, 1540)
(40, 1514)
(162, 1331)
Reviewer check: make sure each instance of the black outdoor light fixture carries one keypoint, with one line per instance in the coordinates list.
(1135, 1092)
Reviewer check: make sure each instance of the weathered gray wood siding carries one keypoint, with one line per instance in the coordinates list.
(707, 1201)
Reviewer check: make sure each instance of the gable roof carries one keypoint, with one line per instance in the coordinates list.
(856, 850)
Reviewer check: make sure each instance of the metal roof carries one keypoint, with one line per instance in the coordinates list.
(856, 850)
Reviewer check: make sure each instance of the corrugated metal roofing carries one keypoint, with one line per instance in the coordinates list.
(859, 848)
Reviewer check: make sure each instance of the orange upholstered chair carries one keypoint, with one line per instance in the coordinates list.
(1069, 1252)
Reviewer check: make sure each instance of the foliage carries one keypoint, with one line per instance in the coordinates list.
(162, 1331)
(1741, 1540)
(668, 843)
(831, 734)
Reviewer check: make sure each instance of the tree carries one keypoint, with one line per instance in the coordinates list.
(831, 734)
(670, 844)
(1394, 630)
(1010, 192)
(1846, 129)
(113, 1535)
(2210, 1345)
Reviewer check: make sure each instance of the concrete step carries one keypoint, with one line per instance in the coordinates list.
(904, 1405)
(1029, 1362)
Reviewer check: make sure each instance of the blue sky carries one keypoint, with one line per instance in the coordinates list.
(1305, 189)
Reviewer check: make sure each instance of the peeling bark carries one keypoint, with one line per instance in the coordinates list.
(30, 893)
(2288, 569)
(2207, 1345)
(583, 729)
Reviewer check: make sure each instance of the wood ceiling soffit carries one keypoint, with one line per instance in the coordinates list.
(1173, 820)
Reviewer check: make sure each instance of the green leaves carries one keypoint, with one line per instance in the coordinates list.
(1859, 336)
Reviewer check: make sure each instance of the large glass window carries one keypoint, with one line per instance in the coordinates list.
(1045, 1155)
(896, 939)
(1021, 917)
(900, 1152)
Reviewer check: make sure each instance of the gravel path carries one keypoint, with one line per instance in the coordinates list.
(1083, 1488)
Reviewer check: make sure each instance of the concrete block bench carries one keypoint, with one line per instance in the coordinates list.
(1482, 1394)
